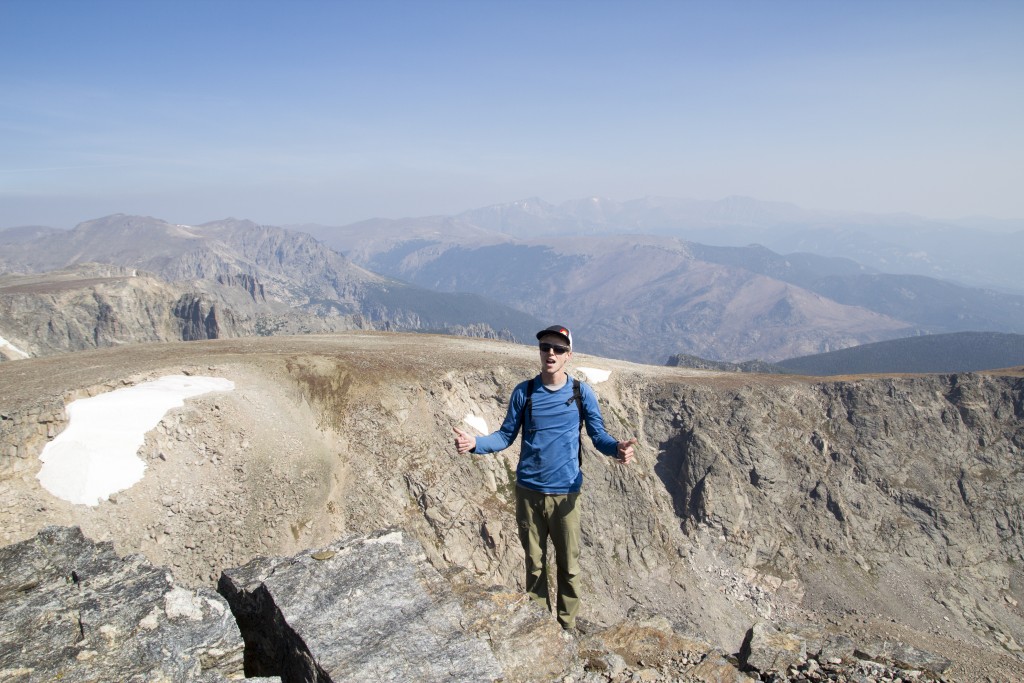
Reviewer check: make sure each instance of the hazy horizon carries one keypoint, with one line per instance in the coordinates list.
(901, 219)
(336, 112)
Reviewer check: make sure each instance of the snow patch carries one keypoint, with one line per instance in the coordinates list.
(96, 455)
(595, 376)
(10, 350)
(477, 423)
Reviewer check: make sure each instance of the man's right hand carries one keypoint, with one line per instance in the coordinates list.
(464, 442)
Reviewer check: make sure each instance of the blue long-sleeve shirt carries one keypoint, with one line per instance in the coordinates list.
(549, 460)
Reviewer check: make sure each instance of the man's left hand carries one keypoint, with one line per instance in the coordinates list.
(625, 454)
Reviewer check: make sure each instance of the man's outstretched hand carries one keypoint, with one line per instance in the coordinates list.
(626, 451)
(464, 442)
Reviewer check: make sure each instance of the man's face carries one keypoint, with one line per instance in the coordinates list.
(551, 360)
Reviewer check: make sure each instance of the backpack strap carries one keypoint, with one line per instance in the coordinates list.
(527, 413)
(577, 395)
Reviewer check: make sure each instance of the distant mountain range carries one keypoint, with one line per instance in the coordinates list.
(621, 274)
(625, 274)
(934, 305)
(304, 285)
(937, 353)
(943, 353)
(978, 252)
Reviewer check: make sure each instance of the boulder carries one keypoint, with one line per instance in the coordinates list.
(525, 638)
(362, 608)
(837, 649)
(73, 610)
(767, 649)
(902, 655)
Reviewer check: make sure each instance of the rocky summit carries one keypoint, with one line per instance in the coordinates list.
(314, 523)
(362, 608)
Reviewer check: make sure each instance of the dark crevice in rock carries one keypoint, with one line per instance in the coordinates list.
(272, 648)
(833, 506)
(670, 469)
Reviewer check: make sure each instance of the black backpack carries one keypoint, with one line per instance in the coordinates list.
(527, 412)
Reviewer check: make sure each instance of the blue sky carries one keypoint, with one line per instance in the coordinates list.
(333, 112)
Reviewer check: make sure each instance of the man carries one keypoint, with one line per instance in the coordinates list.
(548, 478)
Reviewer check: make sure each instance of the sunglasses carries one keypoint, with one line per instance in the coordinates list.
(557, 348)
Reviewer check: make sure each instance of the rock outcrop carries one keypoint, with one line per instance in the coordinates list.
(74, 611)
(96, 306)
(368, 608)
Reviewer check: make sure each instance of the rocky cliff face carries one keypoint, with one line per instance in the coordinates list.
(878, 481)
(98, 306)
(882, 510)
(292, 284)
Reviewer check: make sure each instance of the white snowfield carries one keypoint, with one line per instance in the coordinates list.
(10, 350)
(594, 375)
(97, 454)
(477, 423)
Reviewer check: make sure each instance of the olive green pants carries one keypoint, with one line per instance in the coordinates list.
(541, 516)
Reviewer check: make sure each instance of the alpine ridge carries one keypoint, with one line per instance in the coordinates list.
(882, 511)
